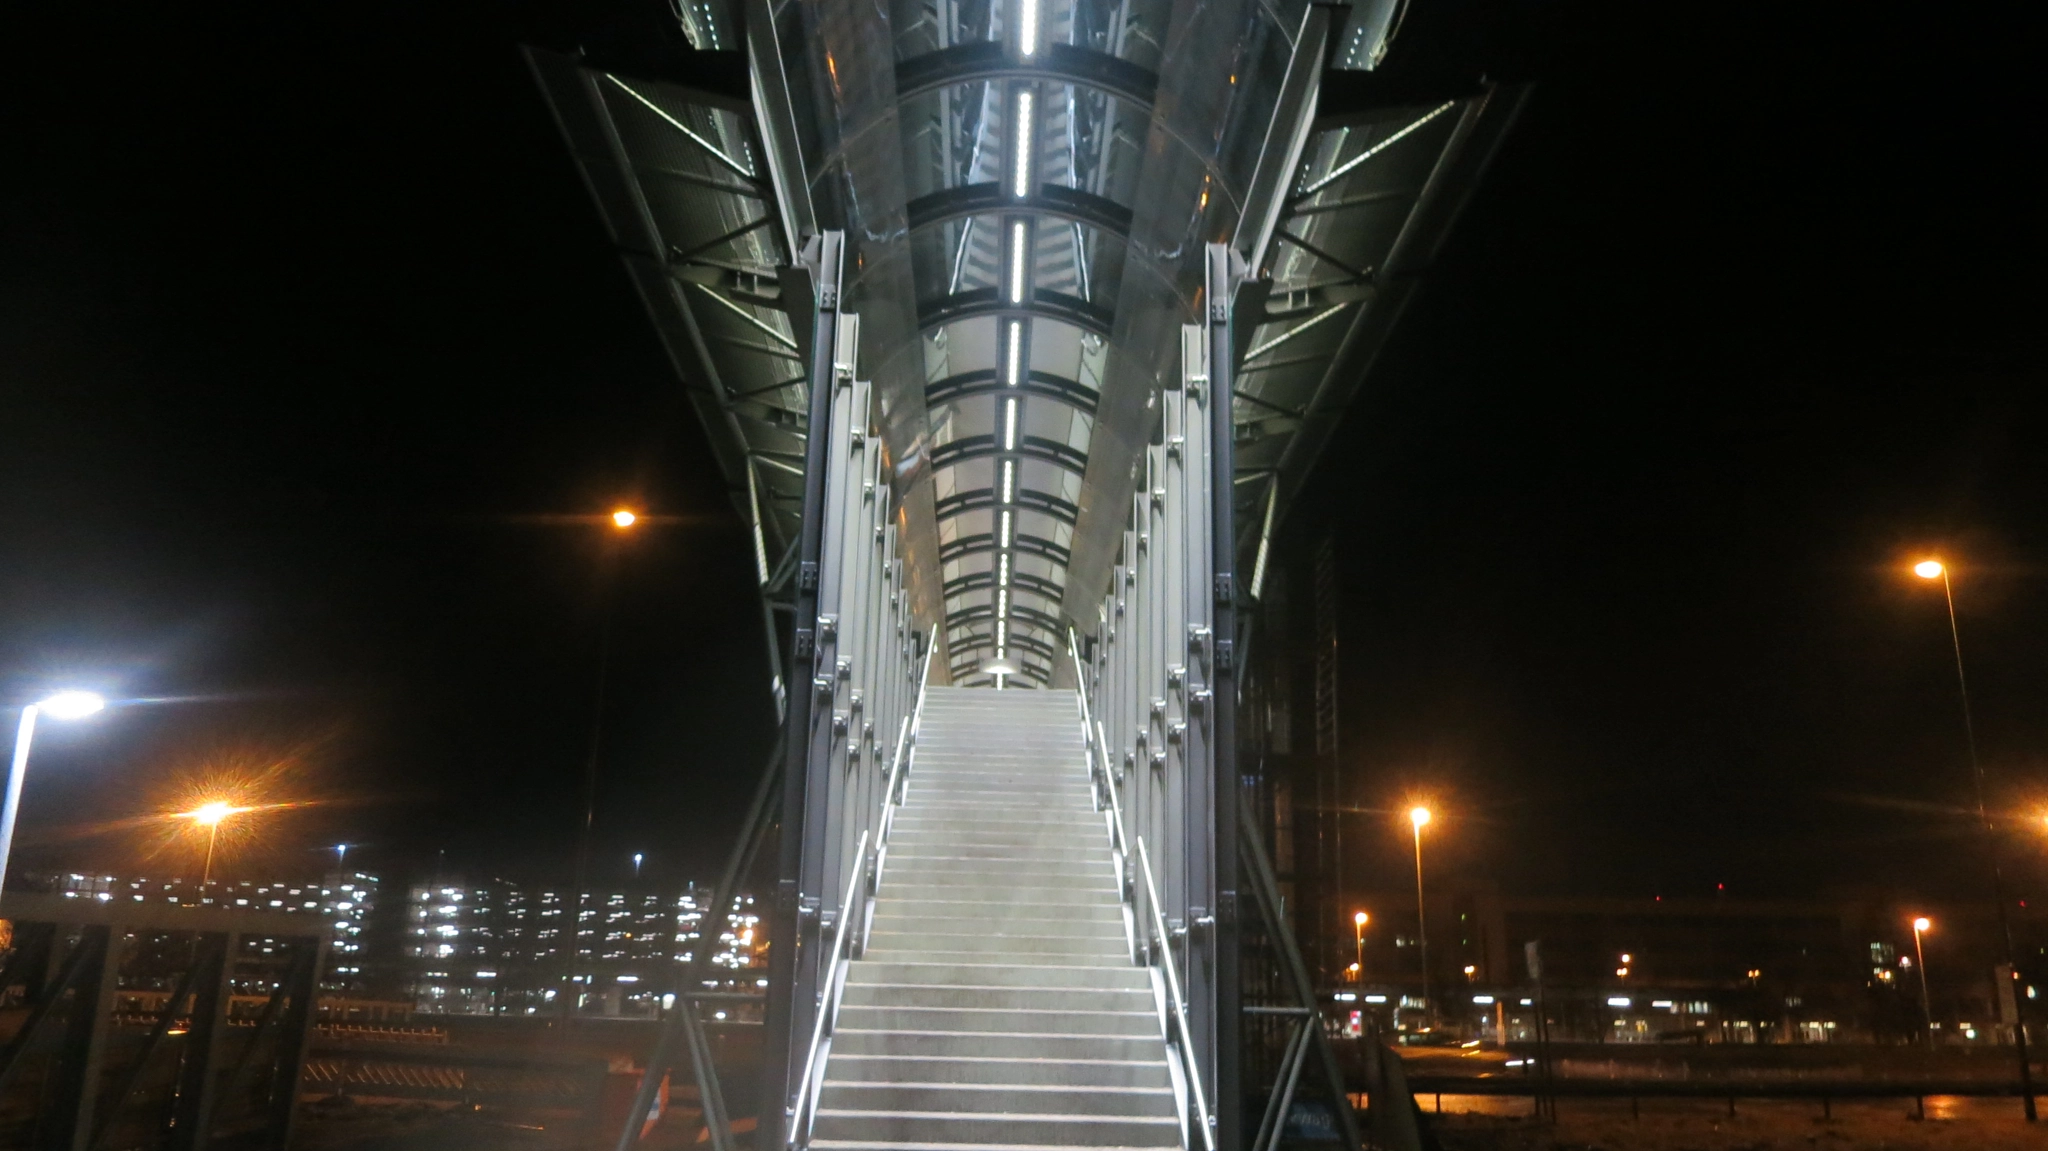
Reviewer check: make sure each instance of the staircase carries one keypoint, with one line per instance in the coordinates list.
(996, 1005)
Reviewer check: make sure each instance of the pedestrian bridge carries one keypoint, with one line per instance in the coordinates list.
(1017, 326)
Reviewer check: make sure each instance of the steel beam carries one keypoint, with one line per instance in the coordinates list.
(984, 60)
(1043, 304)
(812, 290)
(988, 199)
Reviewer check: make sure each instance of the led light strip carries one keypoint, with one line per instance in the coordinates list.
(1010, 424)
(1027, 31)
(1020, 176)
(1009, 479)
(1017, 258)
(1016, 352)
(1004, 539)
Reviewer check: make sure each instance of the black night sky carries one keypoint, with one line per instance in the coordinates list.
(304, 317)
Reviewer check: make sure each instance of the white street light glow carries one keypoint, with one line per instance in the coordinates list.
(72, 704)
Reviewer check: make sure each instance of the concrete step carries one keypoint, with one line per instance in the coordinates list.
(1022, 959)
(902, 922)
(1022, 948)
(997, 889)
(985, 974)
(1021, 998)
(1008, 911)
(996, 1098)
(956, 1129)
(1013, 1045)
(999, 1020)
(963, 861)
(1093, 838)
(997, 1069)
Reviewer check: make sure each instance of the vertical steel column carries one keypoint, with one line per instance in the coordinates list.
(794, 932)
(198, 1080)
(1224, 273)
(85, 1040)
(1188, 435)
(294, 1036)
(828, 830)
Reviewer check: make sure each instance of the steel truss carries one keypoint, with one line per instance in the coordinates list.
(213, 1081)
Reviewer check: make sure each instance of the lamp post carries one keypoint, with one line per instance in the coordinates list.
(63, 705)
(209, 816)
(1417, 817)
(1931, 569)
(1920, 927)
(1358, 923)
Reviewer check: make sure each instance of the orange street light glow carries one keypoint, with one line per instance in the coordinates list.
(1418, 817)
(1922, 923)
(210, 814)
(624, 518)
(1361, 919)
(1928, 569)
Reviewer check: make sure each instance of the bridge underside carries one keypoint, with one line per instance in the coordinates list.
(1017, 326)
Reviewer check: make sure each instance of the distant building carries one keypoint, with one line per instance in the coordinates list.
(347, 900)
(1701, 970)
(499, 947)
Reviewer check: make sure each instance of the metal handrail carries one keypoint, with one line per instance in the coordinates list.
(1180, 1010)
(1098, 751)
(1092, 734)
(828, 1001)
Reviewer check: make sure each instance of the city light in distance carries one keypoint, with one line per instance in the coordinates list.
(624, 518)
(1928, 569)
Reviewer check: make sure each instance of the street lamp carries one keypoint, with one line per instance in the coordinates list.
(63, 705)
(1920, 927)
(1931, 569)
(624, 518)
(1358, 923)
(1417, 816)
(209, 816)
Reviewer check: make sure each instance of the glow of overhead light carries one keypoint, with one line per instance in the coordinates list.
(1009, 479)
(1618, 1001)
(1016, 352)
(1004, 539)
(72, 704)
(1010, 425)
(1920, 924)
(623, 518)
(1361, 919)
(1928, 569)
(1020, 176)
(1027, 32)
(210, 814)
(1003, 602)
(1003, 573)
(1418, 816)
(1627, 958)
(1017, 256)
(1002, 635)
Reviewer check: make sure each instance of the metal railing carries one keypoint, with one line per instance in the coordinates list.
(861, 886)
(1158, 951)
